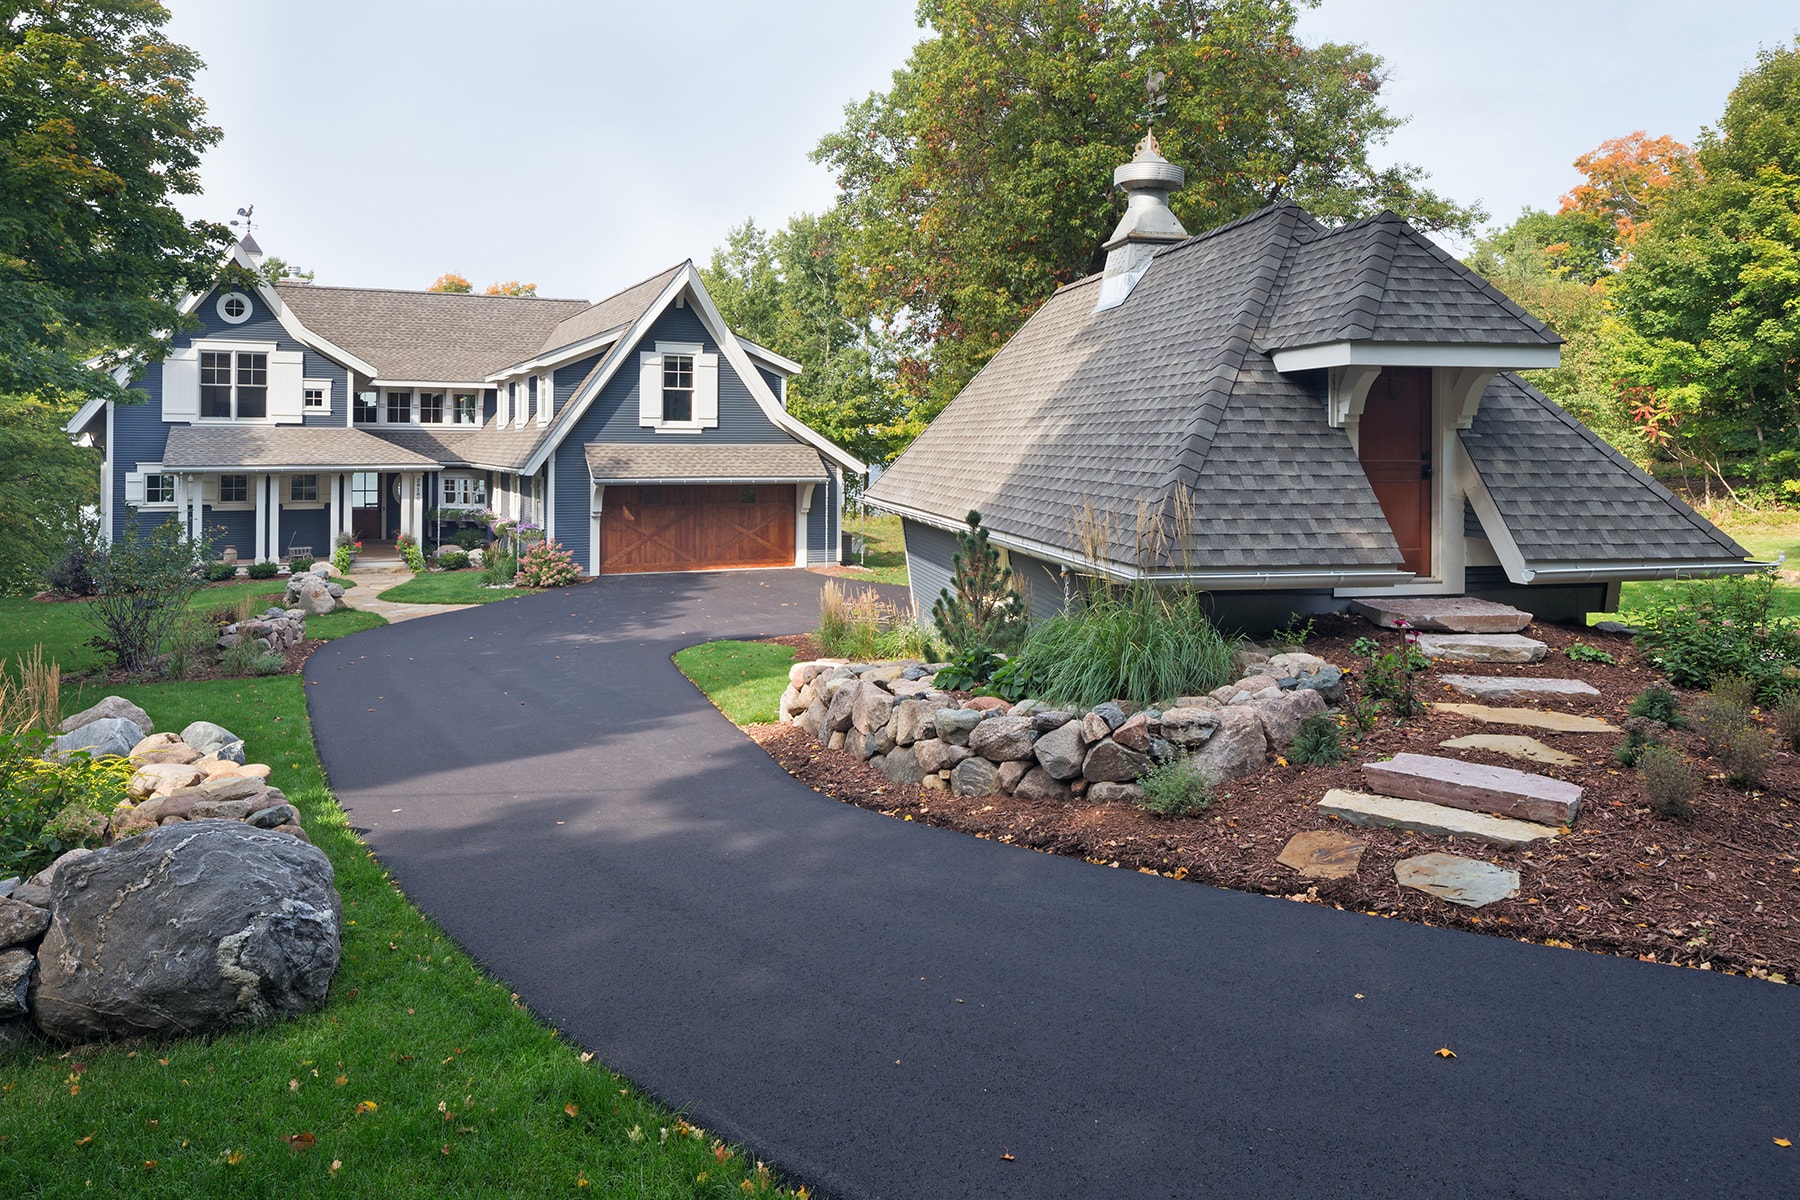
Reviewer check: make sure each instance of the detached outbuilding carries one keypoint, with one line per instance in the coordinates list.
(1289, 417)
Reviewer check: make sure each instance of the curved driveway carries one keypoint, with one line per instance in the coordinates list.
(881, 1008)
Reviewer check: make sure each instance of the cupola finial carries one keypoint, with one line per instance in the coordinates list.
(1148, 222)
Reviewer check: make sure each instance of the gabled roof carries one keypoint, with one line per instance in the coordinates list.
(284, 447)
(1381, 280)
(614, 312)
(451, 337)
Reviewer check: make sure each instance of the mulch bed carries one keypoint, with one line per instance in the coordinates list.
(1720, 892)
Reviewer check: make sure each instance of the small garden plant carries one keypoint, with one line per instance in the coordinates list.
(1725, 626)
(263, 570)
(144, 581)
(1180, 787)
(1787, 720)
(452, 560)
(219, 572)
(408, 546)
(1389, 678)
(1741, 746)
(981, 608)
(547, 565)
(1670, 783)
(1658, 703)
(1582, 652)
(1319, 742)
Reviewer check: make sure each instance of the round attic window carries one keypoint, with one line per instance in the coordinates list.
(234, 307)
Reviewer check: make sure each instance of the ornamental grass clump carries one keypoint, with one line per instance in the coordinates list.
(861, 625)
(1741, 746)
(1787, 720)
(1670, 783)
(1136, 643)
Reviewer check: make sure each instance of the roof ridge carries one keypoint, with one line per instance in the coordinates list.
(339, 287)
(1265, 211)
(1373, 271)
(1295, 242)
(1482, 282)
(640, 283)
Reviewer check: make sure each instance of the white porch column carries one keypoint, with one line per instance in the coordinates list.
(549, 521)
(262, 517)
(594, 529)
(800, 510)
(335, 483)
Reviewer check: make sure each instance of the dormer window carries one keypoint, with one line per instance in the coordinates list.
(678, 387)
(234, 308)
(431, 408)
(399, 408)
(366, 411)
(467, 409)
(234, 384)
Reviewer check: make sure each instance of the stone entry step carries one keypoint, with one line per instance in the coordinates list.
(1482, 647)
(1529, 718)
(1515, 745)
(1465, 881)
(1391, 812)
(1498, 791)
(1520, 687)
(1444, 614)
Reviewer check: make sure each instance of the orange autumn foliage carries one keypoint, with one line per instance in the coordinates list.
(1628, 177)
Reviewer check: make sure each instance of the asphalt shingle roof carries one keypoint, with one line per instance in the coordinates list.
(620, 462)
(273, 447)
(610, 313)
(1163, 424)
(1567, 496)
(444, 337)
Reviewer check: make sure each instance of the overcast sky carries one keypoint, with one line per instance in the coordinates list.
(586, 144)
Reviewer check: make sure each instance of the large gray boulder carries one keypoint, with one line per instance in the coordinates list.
(955, 724)
(110, 706)
(107, 735)
(1189, 727)
(974, 776)
(1002, 739)
(873, 708)
(215, 740)
(902, 766)
(914, 719)
(1239, 747)
(1062, 751)
(1109, 762)
(1281, 718)
(935, 754)
(308, 592)
(842, 709)
(194, 927)
(16, 967)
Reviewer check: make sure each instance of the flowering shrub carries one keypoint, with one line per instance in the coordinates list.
(1725, 626)
(528, 533)
(547, 565)
(343, 555)
(408, 546)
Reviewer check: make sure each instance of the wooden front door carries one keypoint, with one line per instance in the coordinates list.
(696, 527)
(365, 505)
(1394, 443)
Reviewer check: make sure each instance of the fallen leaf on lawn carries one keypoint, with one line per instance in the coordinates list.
(721, 1153)
(581, 1181)
(366, 1106)
(301, 1142)
(1445, 1052)
(82, 1141)
(234, 1157)
(586, 1056)
(444, 1150)
(293, 1085)
(149, 1164)
(337, 1164)
(571, 1109)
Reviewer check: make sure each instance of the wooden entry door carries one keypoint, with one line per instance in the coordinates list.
(1394, 443)
(365, 505)
(696, 527)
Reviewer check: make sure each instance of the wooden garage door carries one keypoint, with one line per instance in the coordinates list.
(696, 527)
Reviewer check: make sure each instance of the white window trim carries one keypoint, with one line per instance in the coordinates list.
(308, 385)
(412, 406)
(450, 401)
(201, 345)
(219, 306)
(473, 479)
(246, 504)
(693, 350)
(141, 477)
(285, 492)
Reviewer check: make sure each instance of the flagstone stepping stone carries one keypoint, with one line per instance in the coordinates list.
(1529, 718)
(1477, 787)
(1391, 812)
(1465, 881)
(1449, 614)
(1322, 854)
(1521, 687)
(1482, 647)
(1515, 745)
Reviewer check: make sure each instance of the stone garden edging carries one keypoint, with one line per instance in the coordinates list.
(891, 715)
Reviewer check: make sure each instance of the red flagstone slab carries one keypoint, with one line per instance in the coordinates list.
(1501, 791)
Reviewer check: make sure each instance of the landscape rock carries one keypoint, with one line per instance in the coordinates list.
(1450, 614)
(1013, 771)
(1002, 739)
(1281, 715)
(935, 754)
(1501, 791)
(9, 885)
(309, 593)
(986, 704)
(1505, 688)
(1322, 854)
(232, 787)
(1389, 812)
(901, 764)
(161, 778)
(16, 967)
(189, 929)
(873, 708)
(1110, 793)
(913, 719)
(100, 737)
(1043, 720)
(47, 877)
(32, 893)
(1293, 664)
(1134, 733)
(116, 707)
(1465, 881)
(1328, 681)
(13, 1036)
(273, 817)
(1528, 718)
(1238, 748)
(21, 924)
(1616, 627)
(1188, 727)
(1094, 727)
(214, 740)
(1039, 784)
(974, 776)
(1109, 762)
(813, 719)
(224, 810)
(1061, 751)
(154, 743)
(1491, 647)
(955, 724)
(1112, 714)
(293, 831)
(1515, 745)
(842, 712)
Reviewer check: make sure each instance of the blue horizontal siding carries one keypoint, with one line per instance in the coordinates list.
(304, 527)
(235, 527)
(614, 415)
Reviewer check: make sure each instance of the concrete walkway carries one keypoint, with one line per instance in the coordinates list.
(373, 578)
(884, 1009)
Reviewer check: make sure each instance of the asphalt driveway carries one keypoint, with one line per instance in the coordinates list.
(880, 1008)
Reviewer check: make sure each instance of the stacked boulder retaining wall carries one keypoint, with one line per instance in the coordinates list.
(891, 715)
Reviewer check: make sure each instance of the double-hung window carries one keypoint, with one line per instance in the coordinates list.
(366, 410)
(303, 489)
(464, 491)
(234, 489)
(159, 488)
(467, 406)
(431, 408)
(399, 408)
(678, 387)
(234, 384)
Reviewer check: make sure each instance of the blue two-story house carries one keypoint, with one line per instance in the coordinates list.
(639, 431)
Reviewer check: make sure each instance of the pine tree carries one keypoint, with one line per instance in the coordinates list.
(986, 611)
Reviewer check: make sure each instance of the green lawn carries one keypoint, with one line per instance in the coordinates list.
(1765, 535)
(450, 587)
(421, 1078)
(744, 679)
(886, 558)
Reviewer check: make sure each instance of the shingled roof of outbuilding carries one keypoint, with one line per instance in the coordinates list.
(1163, 424)
(449, 337)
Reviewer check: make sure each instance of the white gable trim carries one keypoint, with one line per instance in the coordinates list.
(763, 354)
(687, 281)
(559, 356)
(285, 315)
(1497, 357)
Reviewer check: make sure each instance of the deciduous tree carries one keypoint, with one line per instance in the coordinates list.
(450, 281)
